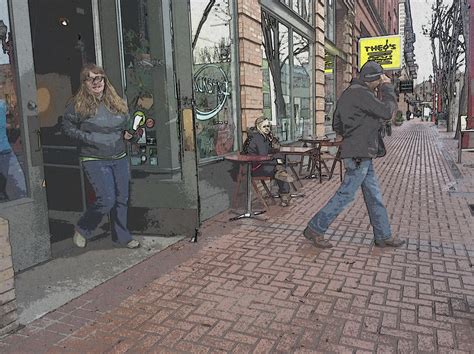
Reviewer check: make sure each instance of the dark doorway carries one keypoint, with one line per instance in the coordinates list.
(63, 41)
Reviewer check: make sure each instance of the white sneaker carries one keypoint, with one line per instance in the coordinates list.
(79, 240)
(133, 244)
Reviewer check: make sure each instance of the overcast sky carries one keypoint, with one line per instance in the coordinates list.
(421, 15)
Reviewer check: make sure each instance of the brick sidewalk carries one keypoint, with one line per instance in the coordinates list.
(261, 287)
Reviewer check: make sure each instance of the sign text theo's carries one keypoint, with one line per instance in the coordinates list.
(386, 50)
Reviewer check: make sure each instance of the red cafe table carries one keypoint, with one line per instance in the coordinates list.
(248, 160)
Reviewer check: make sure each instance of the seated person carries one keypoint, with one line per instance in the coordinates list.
(260, 141)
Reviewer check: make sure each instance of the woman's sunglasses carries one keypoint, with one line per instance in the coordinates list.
(266, 126)
(96, 79)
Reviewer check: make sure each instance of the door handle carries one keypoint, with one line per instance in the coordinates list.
(31, 105)
(38, 137)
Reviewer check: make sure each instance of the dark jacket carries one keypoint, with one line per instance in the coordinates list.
(359, 115)
(259, 144)
(99, 136)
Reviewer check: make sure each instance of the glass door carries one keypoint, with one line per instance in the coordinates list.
(154, 45)
(22, 185)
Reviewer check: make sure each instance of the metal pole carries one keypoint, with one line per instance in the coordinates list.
(470, 68)
(470, 77)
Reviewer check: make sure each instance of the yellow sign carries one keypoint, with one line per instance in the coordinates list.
(328, 63)
(386, 50)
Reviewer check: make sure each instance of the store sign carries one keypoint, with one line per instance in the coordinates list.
(211, 90)
(406, 86)
(328, 63)
(386, 50)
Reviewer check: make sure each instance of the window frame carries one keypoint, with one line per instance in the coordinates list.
(294, 23)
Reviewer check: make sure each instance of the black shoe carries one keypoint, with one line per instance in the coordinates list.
(390, 242)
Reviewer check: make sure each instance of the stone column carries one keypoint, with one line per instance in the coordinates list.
(319, 79)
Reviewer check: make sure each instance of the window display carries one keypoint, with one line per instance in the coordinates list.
(213, 77)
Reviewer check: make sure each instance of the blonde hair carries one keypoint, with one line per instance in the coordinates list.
(258, 123)
(86, 103)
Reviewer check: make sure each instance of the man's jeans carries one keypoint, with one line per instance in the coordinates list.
(355, 177)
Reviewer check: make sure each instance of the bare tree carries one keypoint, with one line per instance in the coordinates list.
(447, 38)
(203, 20)
(272, 46)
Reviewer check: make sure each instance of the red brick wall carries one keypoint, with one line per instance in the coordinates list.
(8, 316)
(250, 54)
(319, 70)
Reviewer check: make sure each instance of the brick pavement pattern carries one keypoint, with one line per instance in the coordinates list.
(261, 287)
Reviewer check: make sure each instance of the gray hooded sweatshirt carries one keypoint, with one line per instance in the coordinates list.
(359, 115)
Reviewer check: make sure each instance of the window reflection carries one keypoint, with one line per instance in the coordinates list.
(286, 98)
(12, 157)
(212, 67)
(330, 88)
(303, 8)
(301, 86)
(140, 88)
(330, 19)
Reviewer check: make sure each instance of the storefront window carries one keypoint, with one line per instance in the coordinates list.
(330, 18)
(301, 86)
(12, 155)
(213, 77)
(330, 89)
(303, 8)
(286, 80)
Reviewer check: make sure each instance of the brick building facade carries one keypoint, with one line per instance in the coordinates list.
(371, 18)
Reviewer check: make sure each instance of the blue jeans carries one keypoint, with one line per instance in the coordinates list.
(268, 169)
(355, 177)
(110, 181)
(10, 169)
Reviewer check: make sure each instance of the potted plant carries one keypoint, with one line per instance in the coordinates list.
(399, 118)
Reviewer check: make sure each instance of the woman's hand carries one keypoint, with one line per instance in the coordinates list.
(127, 135)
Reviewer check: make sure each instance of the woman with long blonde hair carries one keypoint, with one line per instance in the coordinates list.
(96, 118)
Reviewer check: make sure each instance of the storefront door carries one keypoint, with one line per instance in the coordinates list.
(153, 46)
(135, 43)
(22, 185)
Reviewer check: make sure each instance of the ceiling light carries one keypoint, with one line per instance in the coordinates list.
(63, 21)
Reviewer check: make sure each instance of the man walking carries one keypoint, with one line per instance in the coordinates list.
(358, 117)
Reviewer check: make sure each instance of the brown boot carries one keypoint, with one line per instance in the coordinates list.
(390, 242)
(317, 239)
(282, 174)
(285, 199)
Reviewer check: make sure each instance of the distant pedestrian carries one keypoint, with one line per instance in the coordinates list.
(10, 169)
(357, 120)
(408, 114)
(97, 118)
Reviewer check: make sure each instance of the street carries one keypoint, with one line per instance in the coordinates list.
(259, 286)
